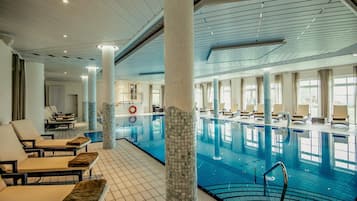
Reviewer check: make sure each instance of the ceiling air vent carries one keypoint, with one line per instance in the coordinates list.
(152, 73)
(79, 58)
(36, 54)
(51, 55)
(92, 59)
(65, 57)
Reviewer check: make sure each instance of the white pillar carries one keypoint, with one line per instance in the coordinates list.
(35, 93)
(92, 105)
(217, 130)
(267, 99)
(85, 98)
(180, 165)
(108, 97)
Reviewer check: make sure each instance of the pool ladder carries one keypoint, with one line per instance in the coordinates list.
(285, 174)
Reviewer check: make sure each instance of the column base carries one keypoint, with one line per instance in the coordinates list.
(109, 136)
(181, 183)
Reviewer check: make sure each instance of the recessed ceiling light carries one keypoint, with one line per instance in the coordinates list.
(113, 46)
(65, 1)
(65, 51)
(65, 73)
(65, 35)
(354, 54)
(212, 33)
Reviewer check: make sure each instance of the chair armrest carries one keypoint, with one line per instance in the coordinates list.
(15, 177)
(33, 142)
(38, 151)
(49, 135)
(13, 163)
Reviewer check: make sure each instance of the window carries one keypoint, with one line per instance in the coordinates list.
(309, 94)
(250, 95)
(226, 132)
(210, 95)
(226, 97)
(276, 97)
(198, 97)
(344, 94)
(155, 96)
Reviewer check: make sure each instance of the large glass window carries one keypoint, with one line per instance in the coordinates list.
(155, 96)
(344, 94)
(309, 94)
(226, 97)
(276, 93)
(198, 97)
(250, 95)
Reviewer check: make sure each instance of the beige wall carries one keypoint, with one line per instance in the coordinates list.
(6, 82)
(70, 88)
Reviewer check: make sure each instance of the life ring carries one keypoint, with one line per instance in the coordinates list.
(132, 119)
(132, 109)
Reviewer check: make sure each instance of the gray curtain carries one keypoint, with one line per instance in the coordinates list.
(163, 96)
(295, 77)
(260, 90)
(18, 88)
(241, 94)
(325, 76)
(150, 98)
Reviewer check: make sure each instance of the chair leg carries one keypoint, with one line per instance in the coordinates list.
(75, 152)
(90, 173)
(80, 177)
(86, 148)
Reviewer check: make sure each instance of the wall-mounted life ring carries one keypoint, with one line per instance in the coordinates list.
(132, 109)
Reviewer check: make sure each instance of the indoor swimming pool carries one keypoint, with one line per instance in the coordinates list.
(232, 158)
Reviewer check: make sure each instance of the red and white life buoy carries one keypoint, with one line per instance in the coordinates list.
(132, 109)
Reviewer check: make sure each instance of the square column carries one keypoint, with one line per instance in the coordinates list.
(85, 97)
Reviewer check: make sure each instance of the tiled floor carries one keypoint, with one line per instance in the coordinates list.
(131, 174)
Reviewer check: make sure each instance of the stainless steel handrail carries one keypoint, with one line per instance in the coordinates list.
(285, 174)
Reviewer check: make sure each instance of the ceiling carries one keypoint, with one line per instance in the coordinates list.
(313, 31)
(39, 26)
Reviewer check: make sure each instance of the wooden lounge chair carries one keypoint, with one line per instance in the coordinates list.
(340, 115)
(13, 159)
(259, 114)
(31, 138)
(248, 111)
(232, 112)
(53, 192)
(301, 115)
(277, 110)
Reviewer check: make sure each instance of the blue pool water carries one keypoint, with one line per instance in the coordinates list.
(323, 163)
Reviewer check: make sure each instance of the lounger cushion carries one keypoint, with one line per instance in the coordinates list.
(25, 130)
(45, 164)
(57, 143)
(10, 147)
(35, 193)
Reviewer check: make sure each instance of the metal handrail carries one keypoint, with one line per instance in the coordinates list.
(285, 174)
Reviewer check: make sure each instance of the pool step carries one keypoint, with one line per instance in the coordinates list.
(256, 192)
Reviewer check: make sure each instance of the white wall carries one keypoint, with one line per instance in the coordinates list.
(70, 88)
(6, 84)
(34, 106)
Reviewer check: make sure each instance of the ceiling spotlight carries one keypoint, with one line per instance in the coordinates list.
(65, 73)
(212, 33)
(83, 77)
(92, 68)
(65, 35)
(65, 51)
(354, 54)
(65, 1)
(266, 69)
(103, 46)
